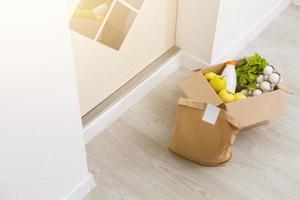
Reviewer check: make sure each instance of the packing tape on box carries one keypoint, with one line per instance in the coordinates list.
(211, 114)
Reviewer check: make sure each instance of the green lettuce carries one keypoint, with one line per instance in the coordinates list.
(248, 71)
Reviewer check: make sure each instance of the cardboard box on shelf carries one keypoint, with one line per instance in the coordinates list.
(249, 112)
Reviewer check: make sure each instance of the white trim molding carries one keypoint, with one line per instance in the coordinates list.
(82, 189)
(191, 62)
(95, 127)
(115, 111)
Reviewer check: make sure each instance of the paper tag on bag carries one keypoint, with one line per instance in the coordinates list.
(211, 114)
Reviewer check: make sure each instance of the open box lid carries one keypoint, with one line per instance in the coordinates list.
(254, 110)
(203, 106)
(197, 87)
(248, 112)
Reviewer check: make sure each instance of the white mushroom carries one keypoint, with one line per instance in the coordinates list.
(250, 93)
(266, 77)
(268, 70)
(274, 78)
(244, 92)
(265, 86)
(257, 92)
(273, 85)
(260, 79)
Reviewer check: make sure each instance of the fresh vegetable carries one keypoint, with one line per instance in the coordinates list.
(244, 92)
(257, 92)
(260, 79)
(268, 70)
(250, 93)
(265, 86)
(226, 96)
(270, 81)
(218, 83)
(229, 75)
(249, 70)
(274, 78)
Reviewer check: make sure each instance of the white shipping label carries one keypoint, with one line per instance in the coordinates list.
(211, 114)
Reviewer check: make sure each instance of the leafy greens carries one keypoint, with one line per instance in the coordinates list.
(248, 71)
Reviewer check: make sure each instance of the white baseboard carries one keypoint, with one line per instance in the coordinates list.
(115, 111)
(253, 32)
(81, 190)
(191, 62)
(297, 2)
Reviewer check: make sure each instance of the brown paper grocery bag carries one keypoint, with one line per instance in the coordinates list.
(202, 142)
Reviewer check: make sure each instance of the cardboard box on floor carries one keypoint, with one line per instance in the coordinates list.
(250, 112)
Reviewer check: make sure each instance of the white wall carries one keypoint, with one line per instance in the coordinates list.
(240, 21)
(196, 24)
(213, 31)
(41, 143)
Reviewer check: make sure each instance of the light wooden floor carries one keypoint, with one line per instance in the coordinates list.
(131, 160)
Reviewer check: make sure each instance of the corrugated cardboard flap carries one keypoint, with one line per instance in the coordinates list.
(198, 88)
(248, 112)
(202, 106)
(257, 109)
